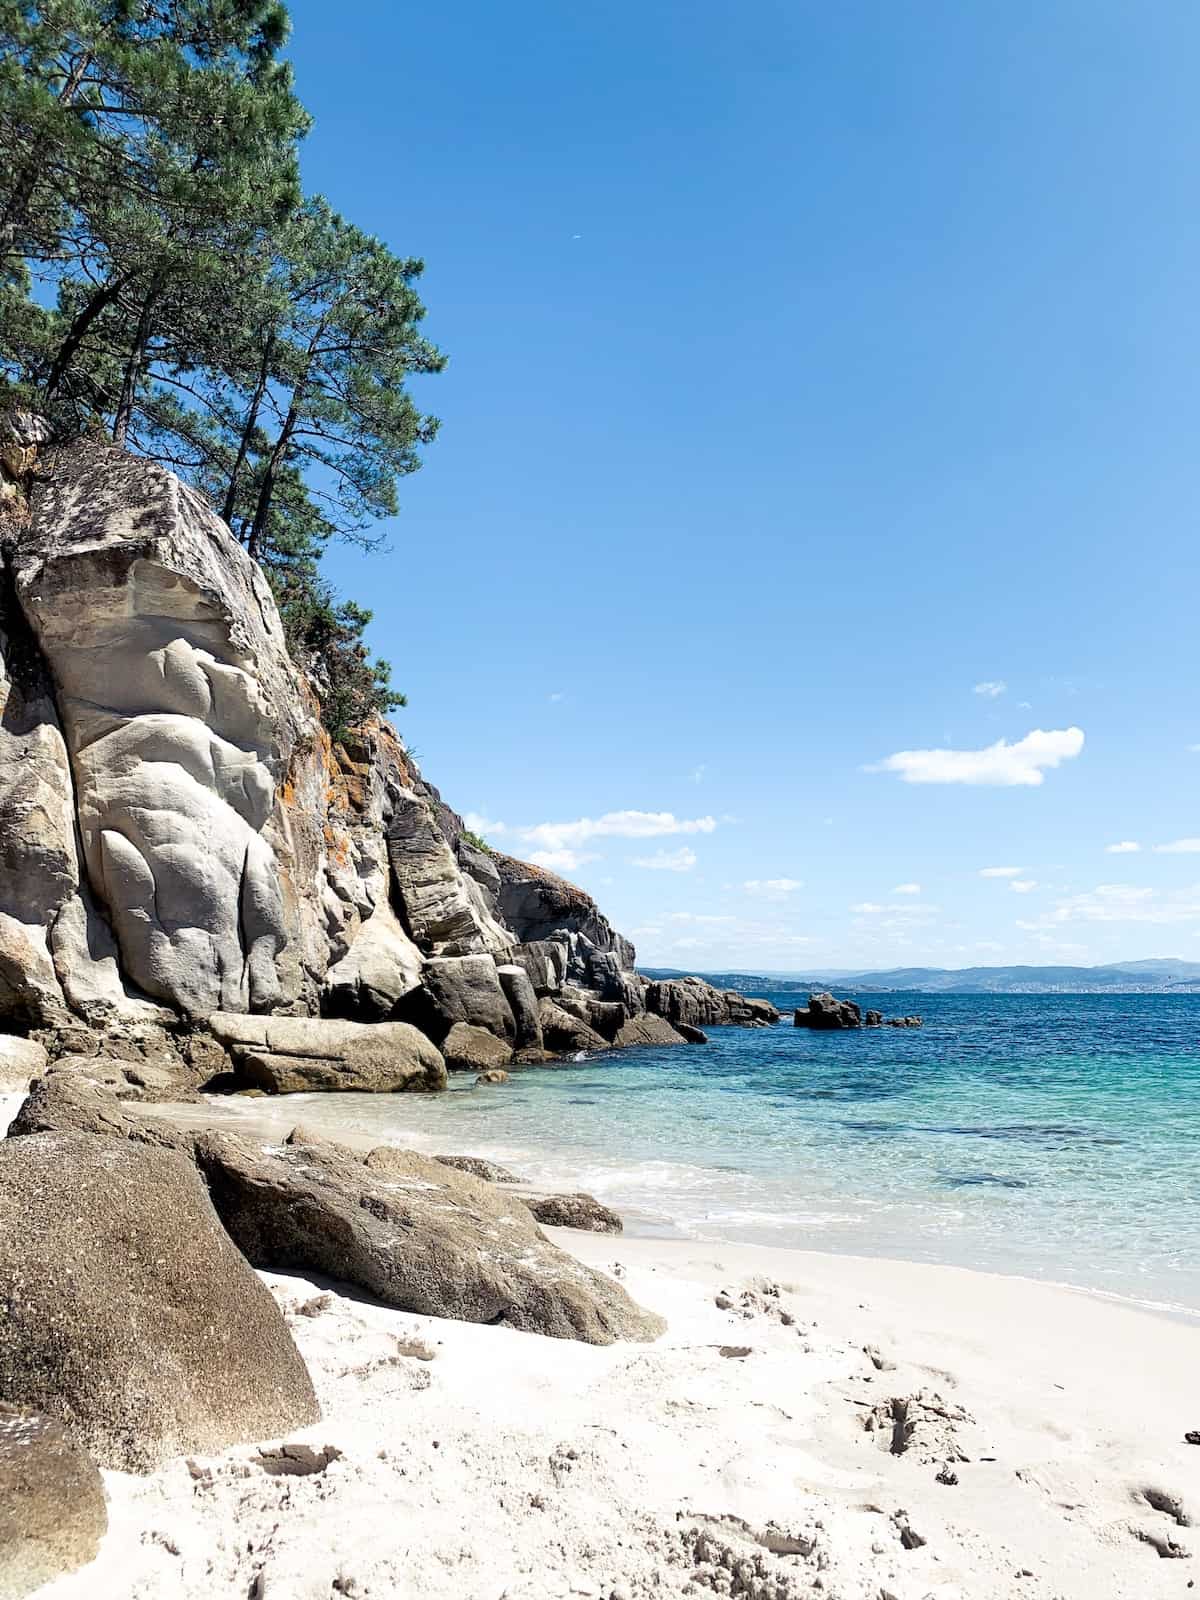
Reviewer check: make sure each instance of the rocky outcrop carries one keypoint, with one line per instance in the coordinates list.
(415, 1233)
(582, 1211)
(53, 1513)
(470, 1049)
(181, 840)
(294, 1055)
(130, 1316)
(647, 1030)
(825, 1013)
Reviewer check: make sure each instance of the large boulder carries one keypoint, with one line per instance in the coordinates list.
(417, 1234)
(52, 1508)
(522, 1002)
(827, 1014)
(381, 966)
(647, 1030)
(292, 1055)
(441, 914)
(469, 1049)
(129, 1313)
(565, 1033)
(463, 989)
(581, 1211)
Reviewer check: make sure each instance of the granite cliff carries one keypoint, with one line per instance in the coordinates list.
(195, 874)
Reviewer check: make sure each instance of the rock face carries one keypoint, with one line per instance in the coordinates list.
(130, 1316)
(181, 840)
(52, 1508)
(414, 1232)
(293, 1055)
(825, 1013)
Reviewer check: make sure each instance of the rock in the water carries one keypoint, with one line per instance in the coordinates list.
(905, 1022)
(691, 1034)
(648, 1029)
(492, 1075)
(873, 1019)
(463, 989)
(478, 1167)
(130, 1315)
(469, 1049)
(698, 1003)
(417, 1234)
(566, 1033)
(52, 1508)
(292, 1055)
(21, 1060)
(582, 1211)
(826, 1014)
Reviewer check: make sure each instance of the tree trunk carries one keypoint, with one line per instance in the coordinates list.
(243, 450)
(267, 487)
(69, 348)
(133, 371)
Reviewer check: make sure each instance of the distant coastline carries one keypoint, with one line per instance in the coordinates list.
(1158, 975)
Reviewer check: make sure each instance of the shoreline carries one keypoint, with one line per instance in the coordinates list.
(253, 1119)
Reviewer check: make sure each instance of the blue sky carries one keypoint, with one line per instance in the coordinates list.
(822, 396)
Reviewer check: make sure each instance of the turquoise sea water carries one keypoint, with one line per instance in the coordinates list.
(1057, 1137)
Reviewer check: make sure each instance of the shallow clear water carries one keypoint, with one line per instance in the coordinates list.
(1057, 1137)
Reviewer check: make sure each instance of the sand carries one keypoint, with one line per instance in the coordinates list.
(810, 1425)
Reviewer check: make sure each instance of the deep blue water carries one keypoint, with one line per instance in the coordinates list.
(1053, 1136)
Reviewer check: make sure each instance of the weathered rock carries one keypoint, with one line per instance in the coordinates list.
(290, 1055)
(538, 905)
(565, 1033)
(417, 1234)
(582, 1211)
(439, 912)
(463, 989)
(469, 1049)
(827, 1014)
(381, 966)
(905, 1022)
(20, 1060)
(478, 1167)
(68, 1102)
(746, 1012)
(647, 1029)
(53, 1512)
(177, 746)
(691, 1034)
(522, 1002)
(544, 962)
(873, 1019)
(694, 1001)
(493, 1075)
(130, 1315)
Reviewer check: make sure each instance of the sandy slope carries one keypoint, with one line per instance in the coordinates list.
(732, 1456)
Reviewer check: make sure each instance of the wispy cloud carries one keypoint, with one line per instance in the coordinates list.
(907, 888)
(1122, 902)
(1123, 847)
(483, 825)
(681, 860)
(991, 688)
(1179, 847)
(1001, 765)
(1023, 885)
(697, 773)
(772, 888)
(615, 825)
(562, 860)
(1001, 872)
(557, 696)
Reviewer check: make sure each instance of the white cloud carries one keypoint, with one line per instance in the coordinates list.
(907, 888)
(868, 908)
(483, 825)
(772, 888)
(697, 917)
(992, 688)
(1179, 847)
(1001, 872)
(1121, 902)
(615, 825)
(561, 860)
(681, 860)
(559, 694)
(1194, 748)
(1023, 885)
(1001, 765)
(697, 773)
(1124, 847)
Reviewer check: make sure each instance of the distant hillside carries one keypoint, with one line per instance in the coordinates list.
(1155, 976)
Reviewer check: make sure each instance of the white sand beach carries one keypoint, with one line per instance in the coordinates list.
(838, 1427)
